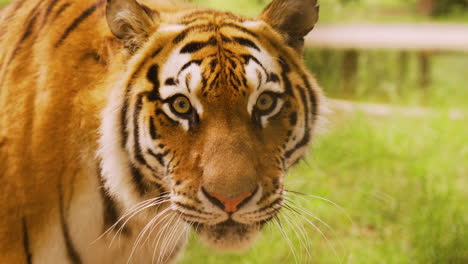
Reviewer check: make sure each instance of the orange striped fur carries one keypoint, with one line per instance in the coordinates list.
(108, 105)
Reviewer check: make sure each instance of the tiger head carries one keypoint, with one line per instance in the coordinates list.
(211, 109)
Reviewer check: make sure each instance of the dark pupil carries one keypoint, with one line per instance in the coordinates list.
(182, 104)
(264, 101)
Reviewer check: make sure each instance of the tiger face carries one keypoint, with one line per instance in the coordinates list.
(212, 111)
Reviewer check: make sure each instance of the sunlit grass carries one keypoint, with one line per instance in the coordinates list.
(4, 2)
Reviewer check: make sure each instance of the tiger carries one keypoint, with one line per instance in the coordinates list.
(126, 125)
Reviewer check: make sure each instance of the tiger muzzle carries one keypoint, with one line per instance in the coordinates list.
(230, 177)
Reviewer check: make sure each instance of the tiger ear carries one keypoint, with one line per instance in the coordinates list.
(131, 22)
(293, 19)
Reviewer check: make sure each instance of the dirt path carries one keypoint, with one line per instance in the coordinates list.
(383, 110)
(433, 37)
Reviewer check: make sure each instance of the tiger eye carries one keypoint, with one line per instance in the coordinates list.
(265, 102)
(181, 105)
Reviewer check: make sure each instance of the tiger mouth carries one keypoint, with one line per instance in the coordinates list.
(228, 224)
(229, 227)
(228, 235)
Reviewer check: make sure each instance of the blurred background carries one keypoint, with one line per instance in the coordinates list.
(386, 180)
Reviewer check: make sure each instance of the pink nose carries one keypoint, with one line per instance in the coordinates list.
(229, 205)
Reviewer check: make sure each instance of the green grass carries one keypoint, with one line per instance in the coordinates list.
(403, 183)
(4, 2)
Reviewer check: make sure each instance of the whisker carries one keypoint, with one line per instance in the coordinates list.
(161, 220)
(299, 207)
(298, 194)
(130, 214)
(301, 228)
(283, 234)
(323, 235)
(186, 228)
(296, 230)
(119, 231)
(165, 241)
(129, 211)
(320, 220)
(158, 237)
(150, 224)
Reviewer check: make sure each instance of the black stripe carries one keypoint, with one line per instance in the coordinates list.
(305, 139)
(213, 65)
(152, 76)
(123, 122)
(293, 118)
(186, 31)
(285, 69)
(110, 211)
(196, 19)
(198, 45)
(186, 65)
(73, 255)
(189, 207)
(138, 180)
(124, 110)
(62, 8)
(159, 157)
(198, 13)
(50, 7)
(312, 97)
(26, 34)
(246, 42)
(212, 199)
(161, 112)
(29, 29)
(248, 57)
(272, 77)
(136, 131)
(78, 21)
(170, 82)
(243, 29)
(275, 202)
(187, 215)
(26, 246)
(152, 128)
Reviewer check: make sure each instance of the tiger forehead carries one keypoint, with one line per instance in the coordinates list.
(219, 50)
(210, 16)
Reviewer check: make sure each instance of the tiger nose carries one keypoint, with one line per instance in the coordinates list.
(229, 205)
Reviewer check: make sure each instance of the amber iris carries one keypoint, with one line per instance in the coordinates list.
(182, 105)
(265, 102)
